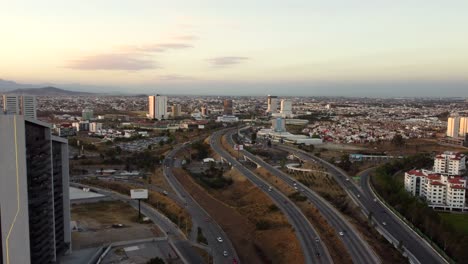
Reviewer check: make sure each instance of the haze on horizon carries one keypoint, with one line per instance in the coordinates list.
(315, 47)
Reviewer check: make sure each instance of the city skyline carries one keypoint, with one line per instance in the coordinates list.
(306, 47)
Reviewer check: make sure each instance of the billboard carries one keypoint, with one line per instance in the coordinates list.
(238, 147)
(139, 194)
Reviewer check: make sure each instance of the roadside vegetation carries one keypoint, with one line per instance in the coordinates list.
(445, 232)
(163, 204)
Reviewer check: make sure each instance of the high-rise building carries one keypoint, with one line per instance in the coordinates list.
(34, 192)
(453, 126)
(463, 127)
(278, 125)
(286, 108)
(272, 104)
(227, 107)
(157, 105)
(204, 110)
(176, 110)
(87, 114)
(21, 105)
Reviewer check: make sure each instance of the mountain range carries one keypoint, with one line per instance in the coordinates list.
(11, 87)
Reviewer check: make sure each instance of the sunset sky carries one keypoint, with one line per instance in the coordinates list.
(265, 46)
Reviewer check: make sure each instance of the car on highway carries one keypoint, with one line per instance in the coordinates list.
(165, 193)
(220, 240)
(270, 188)
(384, 223)
(225, 253)
(317, 239)
(358, 196)
(341, 233)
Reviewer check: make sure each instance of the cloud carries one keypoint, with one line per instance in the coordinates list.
(176, 77)
(159, 47)
(113, 61)
(186, 37)
(227, 61)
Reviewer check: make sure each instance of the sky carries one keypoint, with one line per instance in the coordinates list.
(313, 47)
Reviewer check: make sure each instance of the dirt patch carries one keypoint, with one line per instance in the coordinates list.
(240, 209)
(95, 222)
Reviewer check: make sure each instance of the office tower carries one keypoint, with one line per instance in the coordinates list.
(453, 126)
(20, 104)
(34, 194)
(157, 105)
(176, 110)
(286, 108)
(87, 114)
(272, 104)
(227, 107)
(278, 125)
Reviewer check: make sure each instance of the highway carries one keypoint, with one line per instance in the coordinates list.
(200, 218)
(419, 250)
(314, 251)
(357, 247)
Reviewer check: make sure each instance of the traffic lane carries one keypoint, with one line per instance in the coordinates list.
(357, 251)
(297, 218)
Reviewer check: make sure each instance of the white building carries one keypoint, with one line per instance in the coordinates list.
(286, 108)
(95, 127)
(227, 119)
(272, 104)
(21, 105)
(457, 126)
(278, 125)
(157, 105)
(442, 188)
(451, 163)
(440, 191)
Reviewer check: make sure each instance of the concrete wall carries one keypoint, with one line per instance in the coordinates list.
(13, 191)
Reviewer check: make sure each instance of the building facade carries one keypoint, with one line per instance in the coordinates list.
(286, 108)
(87, 114)
(272, 104)
(34, 192)
(157, 107)
(450, 163)
(20, 105)
(227, 107)
(176, 110)
(444, 187)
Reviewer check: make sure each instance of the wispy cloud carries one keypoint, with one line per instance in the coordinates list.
(227, 61)
(113, 61)
(176, 77)
(159, 47)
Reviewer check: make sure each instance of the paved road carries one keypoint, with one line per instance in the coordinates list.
(174, 235)
(357, 247)
(314, 252)
(420, 250)
(200, 217)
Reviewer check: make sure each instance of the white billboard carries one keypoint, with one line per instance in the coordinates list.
(139, 194)
(238, 147)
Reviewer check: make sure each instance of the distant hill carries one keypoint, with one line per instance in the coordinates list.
(46, 91)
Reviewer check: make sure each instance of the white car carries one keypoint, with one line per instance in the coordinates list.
(220, 240)
(384, 223)
(269, 189)
(225, 253)
(341, 233)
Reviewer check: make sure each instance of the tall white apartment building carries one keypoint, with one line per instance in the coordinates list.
(272, 104)
(451, 163)
(457, 126)
(463, 127)
(20, 105)
(286, 108)
(157, 107)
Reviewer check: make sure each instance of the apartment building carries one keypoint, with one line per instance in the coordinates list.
(157, 107)
(21, 105)
(34, 194)
(442, 188)
(451, 163)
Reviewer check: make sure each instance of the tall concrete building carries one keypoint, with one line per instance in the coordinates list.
(21, 105)
(278, 125)
(286, 108)
(176, 110)
(227, 110)
(272, 104)
(463, 127)
(34, 192)
(204, 110)
(157, 107)
(453, 125)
